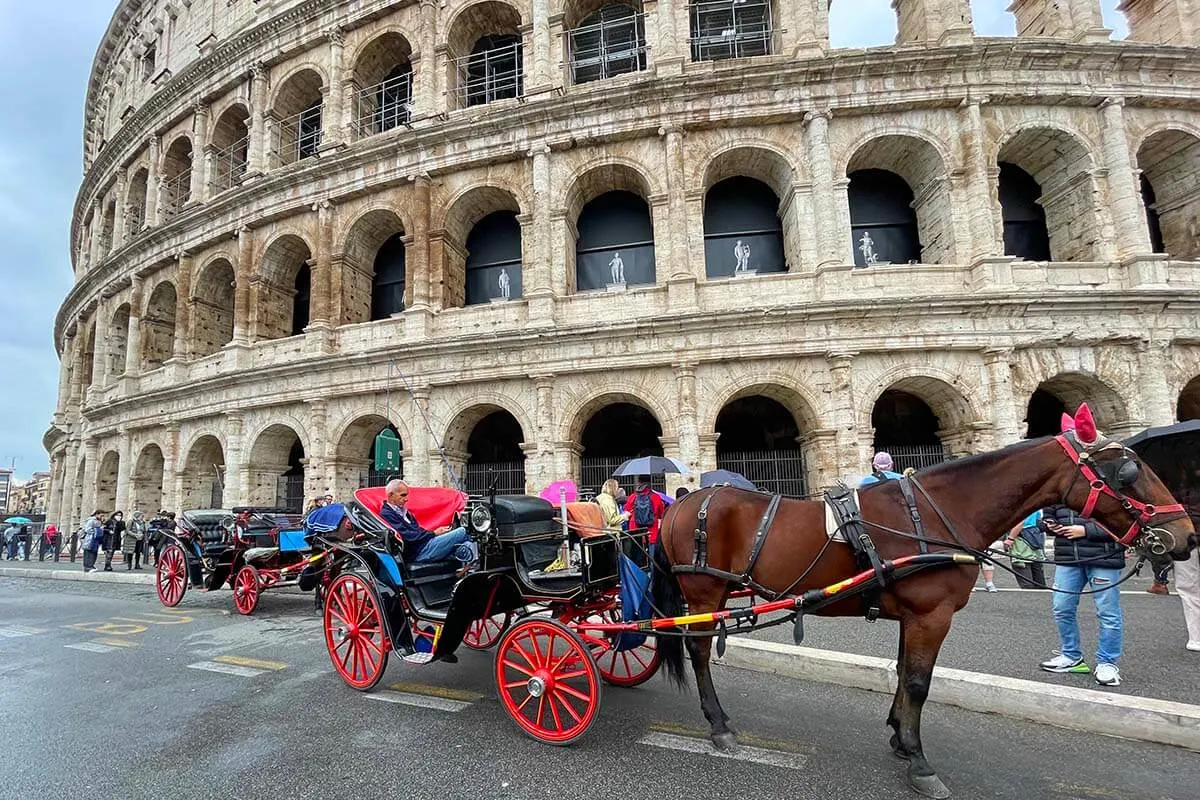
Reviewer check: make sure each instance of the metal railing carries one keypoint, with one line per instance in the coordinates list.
(384, 106)
(915, 456)
(509, 477)
(723, 29)
(297, 137)
(378, 477)
(289, 493)
(608, 48)
(229, 164)
(175, 193)
(593, 472)
(775, 471)
(489, 75)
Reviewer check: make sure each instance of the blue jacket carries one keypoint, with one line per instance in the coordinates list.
(410, 530)
(874, 478)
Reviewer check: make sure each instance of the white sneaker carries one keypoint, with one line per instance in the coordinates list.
(1108, 675)
(991, 587)
(1061, 663)
(1194, 645)
(93, 569)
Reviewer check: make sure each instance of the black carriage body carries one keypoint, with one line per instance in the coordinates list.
(225, 537)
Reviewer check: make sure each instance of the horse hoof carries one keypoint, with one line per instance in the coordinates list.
(897, 751)
(724, 741)
(928, 786)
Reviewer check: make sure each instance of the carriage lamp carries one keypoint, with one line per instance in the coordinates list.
(481, 519)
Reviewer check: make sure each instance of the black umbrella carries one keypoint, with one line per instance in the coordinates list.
(1173, 452)
(722, 476)
(1150, 434)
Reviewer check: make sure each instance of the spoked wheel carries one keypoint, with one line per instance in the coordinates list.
(547, 680)
(354, 632)
(171, 575)
(626, 668)
(246, 590)
(483, 633)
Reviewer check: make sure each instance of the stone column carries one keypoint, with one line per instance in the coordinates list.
(820, 158)
(425, 95)
(1157, 406)
(331, 115)
(539, 77)
(670, 57)
(241, 292)
(1128, 212)
(1079, 20)
(98, 253)
(945, 22)
(237, 473)
(420, 268)
(849, 452)
(686, 423)
(539, 445)
(981, 209)
(198, 191)
(124, 472)
(90, 468)
(172, 490)
(256, 155)
(133, 349)
(421, 470)
(153, 183)
(63, 401)
(1175, 22)
(1006, 413)
(320, 326)
(536, 271)
(675, 253)
(317, 477)
(181, 349)
(803, 28)
(100, 348)
(118, 237)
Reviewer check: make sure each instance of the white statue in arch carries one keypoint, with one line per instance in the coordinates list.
(741, 254)
(866, 246)
(505, 284)
(617, 266)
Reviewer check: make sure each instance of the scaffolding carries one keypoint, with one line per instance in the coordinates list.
(615, 45)
(489, 75)
(384, 106)
(229, 164)
(176, 192)
(723, 29)
(297, 137)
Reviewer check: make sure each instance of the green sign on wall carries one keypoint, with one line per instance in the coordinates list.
(387, 452)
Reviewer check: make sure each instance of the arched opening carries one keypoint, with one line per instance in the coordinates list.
(493, 263)
(387, 283)
(1189, 401)
(743, 234)
(383, 85)
(276, 469)
(486, 54)
(285, 289)
(203, 481)
(907, 427)
(355, 465)
(213, 299)
(1061, 166)
(147, 484)
(106, 483)
(615, 247)
(1065, 392)
(135, 202)
(863, 23)
(87, 355)
(758, 437)
(231, 148)
(117, 344)
(722, 29)
(605, 40)
(613, 434)
(158, 326)
(297, 112)
(1043, 414)
(176, 177)
(883, 225)
(373, 268)
(108, 226)
(1025, 233)
(1170, 164)
(494, 454)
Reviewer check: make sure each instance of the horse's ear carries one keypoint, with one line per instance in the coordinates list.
(1085, 425)
(1068, 423)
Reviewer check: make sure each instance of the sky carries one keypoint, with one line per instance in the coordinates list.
(46, 51)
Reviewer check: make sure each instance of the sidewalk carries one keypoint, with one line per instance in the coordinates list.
(64, 570)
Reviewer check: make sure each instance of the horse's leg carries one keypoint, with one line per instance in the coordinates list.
(893, 718)
(923, 636)
(722, 735)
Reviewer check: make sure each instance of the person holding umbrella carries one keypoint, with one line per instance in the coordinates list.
(645, 509)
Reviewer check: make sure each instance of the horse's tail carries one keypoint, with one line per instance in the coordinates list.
(668, 602)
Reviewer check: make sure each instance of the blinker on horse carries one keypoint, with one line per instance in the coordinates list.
(962, 505)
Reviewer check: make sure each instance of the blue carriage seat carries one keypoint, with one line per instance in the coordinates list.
(293, 542)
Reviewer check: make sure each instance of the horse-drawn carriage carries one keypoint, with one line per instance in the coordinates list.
(250, 548)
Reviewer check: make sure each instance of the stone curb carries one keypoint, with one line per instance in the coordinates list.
(1142, 718)
(76, 575)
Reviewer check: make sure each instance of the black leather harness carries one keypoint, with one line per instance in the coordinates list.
(700, 563)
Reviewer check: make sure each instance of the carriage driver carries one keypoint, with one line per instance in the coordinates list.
(420, 545)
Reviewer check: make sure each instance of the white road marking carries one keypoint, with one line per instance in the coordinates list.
(227, 669)
(756, 755)
(420, 700)
(13, 631)
(91, 647)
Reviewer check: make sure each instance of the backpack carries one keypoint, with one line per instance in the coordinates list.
(643, 510)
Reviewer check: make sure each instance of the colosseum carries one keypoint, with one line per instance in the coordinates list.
(534, 237)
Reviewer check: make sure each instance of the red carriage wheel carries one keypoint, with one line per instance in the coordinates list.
(246, 590)
(483, 633)
(547, 680)
(627, 668)
(171, 575)
(354, 633)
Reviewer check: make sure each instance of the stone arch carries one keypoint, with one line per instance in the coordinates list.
(135, 202)
(374, 280)
(610, 428)
(158, 326)
(760, 432)
(117, 344)
(612, 190)
(106, 482)
(146, 485)
(176, 169)
(464, 212)
(748, 190)
(1188, 407)
(923, 165)
(298, 114)
(382, 83)
(285, 273)
(276, 467)
(231, 142)
(212, 304)
(1066, 391)
(484, 42)
(352, 464)
(486, 441)
(1061, 162)
(202, 480)
(1169, 159)
(921, 416)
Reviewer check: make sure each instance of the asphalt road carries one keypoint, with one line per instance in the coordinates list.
(128, 717)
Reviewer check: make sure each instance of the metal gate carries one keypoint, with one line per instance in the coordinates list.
(508, 475)
(290, 493)
(377, 477)
(774, 471)
(916, 456)
(595, 471)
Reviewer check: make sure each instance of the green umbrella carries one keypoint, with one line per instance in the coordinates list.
(19, 521)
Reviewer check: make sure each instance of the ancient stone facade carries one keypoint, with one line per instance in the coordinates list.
(285, 205)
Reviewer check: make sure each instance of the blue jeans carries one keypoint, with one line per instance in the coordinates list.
(1108, 610)
(440, 548)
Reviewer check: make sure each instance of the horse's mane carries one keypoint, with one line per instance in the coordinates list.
(980, 459)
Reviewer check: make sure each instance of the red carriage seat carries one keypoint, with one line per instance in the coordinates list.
(433, 506)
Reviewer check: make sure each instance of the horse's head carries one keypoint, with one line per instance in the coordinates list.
(1113, 486)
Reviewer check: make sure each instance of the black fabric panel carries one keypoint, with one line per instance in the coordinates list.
(594, 270)
(483, 284)
(387, 290)
(495, 239)
(301, 299)
(614, 223)
(1157, 244)
(1025, 233)
(879, 197)
(741, 205)
(895, 244)
(766, 254)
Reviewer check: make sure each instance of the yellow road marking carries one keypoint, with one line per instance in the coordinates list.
(115, 642)
(108, 627)
(766, 743)
(253, 663)
(157, 619)
(435, 691)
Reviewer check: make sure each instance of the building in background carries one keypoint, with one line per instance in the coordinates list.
(30, 498)
(6, 487)
(534, 239)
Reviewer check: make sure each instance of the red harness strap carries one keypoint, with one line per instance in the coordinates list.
(1142, 513)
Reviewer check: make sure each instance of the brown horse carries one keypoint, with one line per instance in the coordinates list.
(966, 504)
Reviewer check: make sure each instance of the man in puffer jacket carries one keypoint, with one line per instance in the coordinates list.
(1086, 557)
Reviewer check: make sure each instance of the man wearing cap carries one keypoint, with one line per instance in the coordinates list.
(882, 469)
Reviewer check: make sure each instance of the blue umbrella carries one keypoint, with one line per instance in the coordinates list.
(650, 465)
(719, 477)
(18, 521)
